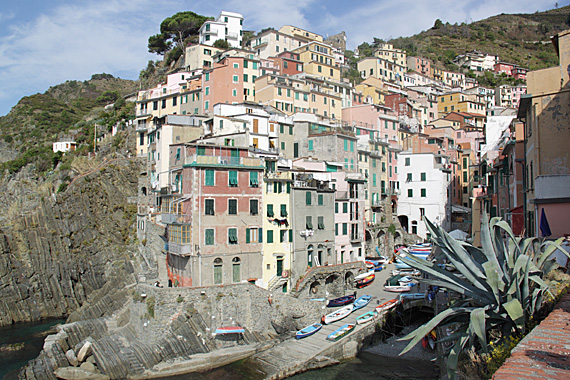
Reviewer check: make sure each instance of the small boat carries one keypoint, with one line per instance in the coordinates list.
(386, 305)
(379, 267)
(341, 332)
(397, 288)
(365, 281)
(406, 272)
(337, 315)
(405, 279)
(362, 301)
(363, 275)
(412, 296)
(366, 317)
(229, 330)
(309, 330)
(369, 264)
(341, 301)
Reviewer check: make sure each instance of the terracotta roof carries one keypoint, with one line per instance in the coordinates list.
(545, 352)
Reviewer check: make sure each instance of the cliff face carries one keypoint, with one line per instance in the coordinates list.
(71, 245)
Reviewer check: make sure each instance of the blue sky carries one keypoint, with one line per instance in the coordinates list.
(46, 42)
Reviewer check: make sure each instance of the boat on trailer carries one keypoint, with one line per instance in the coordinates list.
(309, 330)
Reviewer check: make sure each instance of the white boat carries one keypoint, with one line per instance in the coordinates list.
(397, 288)
(387, 305)
(363, 275)
(338, 314)
(366, 317)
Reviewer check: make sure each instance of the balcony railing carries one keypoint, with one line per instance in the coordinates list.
(180, 249)
(223, 160)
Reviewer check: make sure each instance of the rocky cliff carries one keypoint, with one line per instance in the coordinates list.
(72, 246)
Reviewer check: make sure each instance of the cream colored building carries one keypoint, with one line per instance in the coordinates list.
(200, 56)
(318, 60)
(301, 34)
(387, 52)
(382, 69)
(277, 230)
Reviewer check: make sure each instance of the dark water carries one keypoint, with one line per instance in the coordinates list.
(30, 339)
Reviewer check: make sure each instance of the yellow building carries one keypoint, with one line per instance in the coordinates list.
(387, 52)
(372, 90)
(318, 60)
(277, 227)
(291, 95)
(200, 56)
(381, 68)
(461, 102)
(300, 34)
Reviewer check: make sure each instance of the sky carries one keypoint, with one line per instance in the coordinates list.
(46, 42)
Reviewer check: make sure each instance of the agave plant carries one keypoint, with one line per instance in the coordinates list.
(501, 285)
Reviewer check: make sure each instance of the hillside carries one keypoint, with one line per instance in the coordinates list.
(523, 39)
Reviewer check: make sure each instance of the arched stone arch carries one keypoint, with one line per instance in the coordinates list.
(349, 278)
(381, 241)
(314, 288)
(143, 190)
(398, 238)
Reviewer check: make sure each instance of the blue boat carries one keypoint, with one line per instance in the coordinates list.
(341, 301)
(309, 330)
(362, 301)
(412, 296)
(366, 317)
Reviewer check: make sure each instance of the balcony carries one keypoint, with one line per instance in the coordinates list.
(179, 249)
(355, 238)
(212, 32)
(169, 218)
(196, 160)
(232, 35)
(279, 175)
(142, 113)
(342, 195)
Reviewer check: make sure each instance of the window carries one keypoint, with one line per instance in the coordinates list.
(374, 179)
(321, 222)
(336, 229)
(253, 235)
(236, 65)
(232, 206)
(423, 193)
(422, 212)
(407, 161)
(209, 178)
(253, 206)
(423, 177)
(209, 236)
(311, 145)
(270, 236)
(465, 177)
(209, 206)
(283, 210)
(235, 79)
(409, 177)
(282, 236)
(207, 77)
(345, 228)
(253, 182)
(232, 178)
(410, 193)
(308, 198)
(345, 145)
(309, 222)
(232, 236)
(290, 130)
(270, 211)
(320, 199)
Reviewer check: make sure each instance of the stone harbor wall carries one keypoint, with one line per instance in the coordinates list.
(158, 325)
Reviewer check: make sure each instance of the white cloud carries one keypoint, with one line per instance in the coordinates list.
(275, 14)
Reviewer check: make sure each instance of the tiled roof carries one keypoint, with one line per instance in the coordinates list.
(545, 352)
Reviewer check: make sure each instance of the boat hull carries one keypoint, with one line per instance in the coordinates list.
(308, 331)
(362, 301)
(366, 317)
(341, 301)
(338, 315)
(341, 332)
(386, 305)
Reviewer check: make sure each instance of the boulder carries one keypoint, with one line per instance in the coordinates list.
(72, 358)
(88, 367)
(85, 351)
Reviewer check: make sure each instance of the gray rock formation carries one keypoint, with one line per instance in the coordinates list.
(71, 245)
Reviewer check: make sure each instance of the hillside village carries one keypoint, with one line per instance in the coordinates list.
(265, 162)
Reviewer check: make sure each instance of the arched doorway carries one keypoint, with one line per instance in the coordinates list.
(415, 227)
(236, 269)
(404, 222)
(279, 266)
(310, 256)
(218, 271)
(314, 288)
(397, 238)
(349, 278)
(381, 240)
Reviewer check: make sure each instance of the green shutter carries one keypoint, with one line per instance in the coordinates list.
(288, 187)
(253, 182)
(321, 223)
(233, 178)
(423, 176)
(336, 208)
(345, 207)
(308, 198)
(309, 222)
(290, 236)
(209, 177)
(283, 210)
(336, 229)
(270, 211)
(260, 234)
(247, 235)
(320, 199)
(345, 229)
(270, 236)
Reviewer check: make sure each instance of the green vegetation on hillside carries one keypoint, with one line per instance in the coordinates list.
(522, 39)
(69, 109)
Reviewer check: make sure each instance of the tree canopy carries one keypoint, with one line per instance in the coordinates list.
(176, 29)
(222, 44)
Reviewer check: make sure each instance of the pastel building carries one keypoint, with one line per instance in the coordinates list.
(228, 27)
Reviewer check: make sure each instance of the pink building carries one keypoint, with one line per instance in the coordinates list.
(374, 120)
(504, 67)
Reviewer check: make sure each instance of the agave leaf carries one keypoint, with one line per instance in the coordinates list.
(493, 280)
(551, 246)
(488, 246)
(535, 294)
(475, 253)
(424, 329)
(464, 263)
(429, 268)
(539, 281)
(454, 355)
(515, 311)
(548, 266)
(527, 245)
(522, 261)
(477, 325)
(505, 227)
(525, 286)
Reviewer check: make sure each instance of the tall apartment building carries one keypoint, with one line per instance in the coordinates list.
(228, 27)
